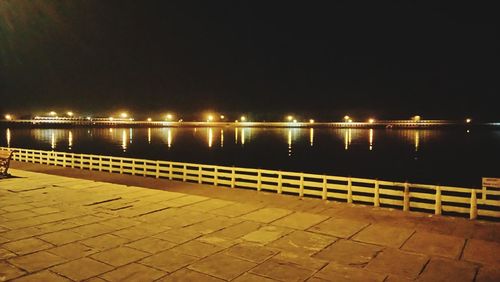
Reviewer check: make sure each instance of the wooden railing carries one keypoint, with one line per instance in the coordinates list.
(483, 202)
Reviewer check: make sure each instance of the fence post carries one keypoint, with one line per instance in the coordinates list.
(483, 193)
(157, 175)
(133, 167)
(376, 196)
(199, 174)
(280, 183)
(324, 195)
(91, 163)
(72, 160)
(406, 197)
(233, 178)
(64, 159)
(184, 173)
(121, 166)
(145, 169)
(100, 163)
(301, 187)
(473, 204)
(81, 161)
(259, 180)
(349, 190)
(170, 171)
(216, 176)
(437, 207)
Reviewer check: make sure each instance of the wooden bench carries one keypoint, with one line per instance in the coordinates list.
(5, 157)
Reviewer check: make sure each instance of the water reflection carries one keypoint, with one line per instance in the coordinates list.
(222, 138)
(70, 140)
(8, 136)
(124, 137)
(370, 139)
(210, 137)
(124, 140)
(311, 137)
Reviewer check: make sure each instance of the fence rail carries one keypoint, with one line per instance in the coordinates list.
(483, 202)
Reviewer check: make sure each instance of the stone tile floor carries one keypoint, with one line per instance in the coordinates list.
(56, 228)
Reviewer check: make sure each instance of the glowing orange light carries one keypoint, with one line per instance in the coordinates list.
(149, 119)
(311, 121)
(70, 113)
(243, 118)
(124, 115)
(52, 113)
(8, 117)
(371, 120)
(289, 118)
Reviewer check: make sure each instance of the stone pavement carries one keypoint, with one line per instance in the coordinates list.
(56, 228)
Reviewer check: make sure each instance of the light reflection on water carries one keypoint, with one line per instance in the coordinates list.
(338, 151)
(126, 136)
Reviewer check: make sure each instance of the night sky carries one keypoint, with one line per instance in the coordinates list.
(262, 58)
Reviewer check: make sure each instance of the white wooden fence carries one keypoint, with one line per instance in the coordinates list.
(474, 202)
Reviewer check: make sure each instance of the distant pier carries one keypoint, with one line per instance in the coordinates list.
(106, 122)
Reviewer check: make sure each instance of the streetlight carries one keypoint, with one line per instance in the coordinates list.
(8, 117)
(210, 118)
(52, 113)
(468, 120)
(70, 113)
(243, 118)
(169, 116)
(123, 115)
(311, 121)
(289, 118)
(371, 120)
(346, 118)
(149, 119)
(222, 117)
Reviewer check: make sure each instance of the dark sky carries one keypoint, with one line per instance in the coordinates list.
(263, 58)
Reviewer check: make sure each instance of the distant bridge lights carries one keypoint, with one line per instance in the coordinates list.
(210, 118)
(52, 113)
(169, 117)
(243, 118)
(371, 120)
(70, 113)
(123, 115)
(311, 121)
(289, 118)
(8, 117)
(150, 119)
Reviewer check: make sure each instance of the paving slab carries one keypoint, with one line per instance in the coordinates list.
(197, 249)
(266, 234)
(435, 244)
(302, 242)
(187, 275)
(251, 252)
(488, 274)
(346, 252)
(133, 272)
(266, 215)
(42, 276)
(442, 269)
(151, 245)
(342, 273)
(8, 271)
(105, 242)
(484, 252)
(168, 260)
(384, 235)
(249, 277)
(339, 227)
(300, 220)
(81, 269)
(119, 256)
(282, 271)
(222, 266)
(398, 263)
(26, 246)
(72, 251)
(36, 261)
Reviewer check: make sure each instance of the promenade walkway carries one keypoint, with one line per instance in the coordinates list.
(104, 227)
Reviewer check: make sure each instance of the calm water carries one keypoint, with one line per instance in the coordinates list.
(446, 157)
